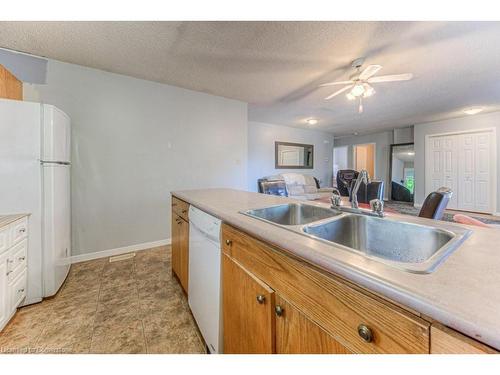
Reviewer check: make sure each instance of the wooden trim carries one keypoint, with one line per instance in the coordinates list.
(447, 341)
(10, 86)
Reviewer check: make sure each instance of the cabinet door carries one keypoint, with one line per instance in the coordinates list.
(184, 253)
(176, 251)
(248, 315)
(4, 297)
(296, 334)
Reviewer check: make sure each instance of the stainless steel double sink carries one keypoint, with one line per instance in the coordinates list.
(412, 247)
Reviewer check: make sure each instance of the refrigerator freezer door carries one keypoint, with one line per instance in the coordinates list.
(57, 226)
(56, 135)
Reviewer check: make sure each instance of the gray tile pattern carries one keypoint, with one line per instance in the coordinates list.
(129, 306)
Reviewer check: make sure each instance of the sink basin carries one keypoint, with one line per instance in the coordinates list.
(414, 247)
(292, 214)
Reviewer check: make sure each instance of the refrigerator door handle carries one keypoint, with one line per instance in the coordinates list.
(55, 162)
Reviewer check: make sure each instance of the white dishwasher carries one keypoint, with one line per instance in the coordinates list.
(204, 290)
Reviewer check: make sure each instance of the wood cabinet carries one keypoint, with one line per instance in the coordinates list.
(180, 241)
(297, 334)
(340, 316)
(258, 321)
(247, 311)
(10, 86)
(447, 341)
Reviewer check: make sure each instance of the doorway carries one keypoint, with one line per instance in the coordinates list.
(339, 161)
(364, 158)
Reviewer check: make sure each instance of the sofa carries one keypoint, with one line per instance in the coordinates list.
(294, 185)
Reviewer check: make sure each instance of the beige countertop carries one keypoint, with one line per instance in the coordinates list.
(462, 293)
(7, 219)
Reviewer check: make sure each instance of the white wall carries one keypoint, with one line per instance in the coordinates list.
(133, 142)
(382, 142)
(261, 138)
(488, 120)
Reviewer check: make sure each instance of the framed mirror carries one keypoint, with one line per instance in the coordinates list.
(402, 172)
(293, 155)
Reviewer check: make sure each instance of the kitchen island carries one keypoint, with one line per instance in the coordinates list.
(355, 303)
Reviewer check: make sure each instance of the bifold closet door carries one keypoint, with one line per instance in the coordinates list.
(466, 195)
(483, 172)
(444, 164)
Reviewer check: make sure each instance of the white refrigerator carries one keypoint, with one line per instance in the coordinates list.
(35, 179)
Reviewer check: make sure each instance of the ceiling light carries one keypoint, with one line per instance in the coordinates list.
(473, 110)
(358, 90)
(411, 153)
(369, 91)
(350, 96)
(312, 121)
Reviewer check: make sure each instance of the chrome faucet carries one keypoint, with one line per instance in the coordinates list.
(376, 205)
(335, 198)
(362, 177)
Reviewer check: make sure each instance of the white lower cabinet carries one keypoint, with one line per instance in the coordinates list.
(13, 268)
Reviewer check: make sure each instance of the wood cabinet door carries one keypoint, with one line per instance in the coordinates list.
(296, 334)
(176, 251)
(248, 314)
(184, 253)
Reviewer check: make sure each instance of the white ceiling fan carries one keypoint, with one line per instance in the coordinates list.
(360, 82)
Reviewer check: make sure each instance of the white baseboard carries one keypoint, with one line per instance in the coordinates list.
(119, 250)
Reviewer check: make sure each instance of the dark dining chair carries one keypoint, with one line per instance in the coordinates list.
(435, 204)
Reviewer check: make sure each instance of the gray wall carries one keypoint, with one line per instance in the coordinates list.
(383, 141)
(488, 120)
(133, 142)
(261, 138)
(403, 135)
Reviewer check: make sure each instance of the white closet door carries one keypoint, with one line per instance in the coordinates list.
(466, 196)
(482, 177)
(436, 163)
(450, 167)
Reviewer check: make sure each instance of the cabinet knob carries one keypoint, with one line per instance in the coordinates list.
(365, 333)
(184, 211)
(21, 290)
(22, 258)
(229, 242)
(22, 230)
(279, 310)
(261, 299)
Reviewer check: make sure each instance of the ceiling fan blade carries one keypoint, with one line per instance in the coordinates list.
(391, 78)
(338, 92)
(335, 83)
(369, 71)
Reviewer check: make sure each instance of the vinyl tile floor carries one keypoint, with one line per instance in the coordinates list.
(128, 306)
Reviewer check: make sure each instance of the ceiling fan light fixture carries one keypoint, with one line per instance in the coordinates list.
(350, 96)
(369, 91)
(358, 90)
(473, 110)
(312, 121)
